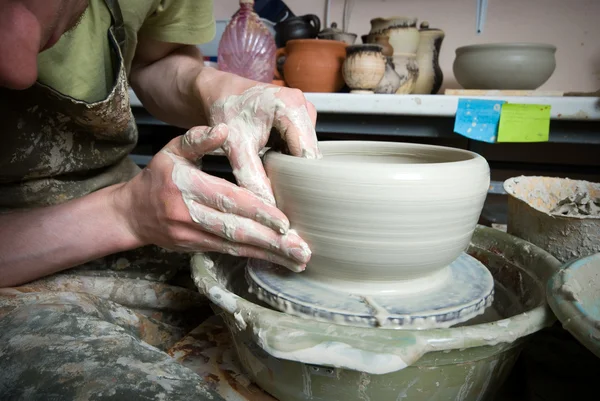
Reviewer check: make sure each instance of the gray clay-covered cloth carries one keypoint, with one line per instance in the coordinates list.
(101, 331)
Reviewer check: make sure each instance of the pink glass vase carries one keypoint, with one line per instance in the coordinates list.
(247, 48)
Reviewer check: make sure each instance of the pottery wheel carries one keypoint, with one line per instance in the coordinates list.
(466, 293)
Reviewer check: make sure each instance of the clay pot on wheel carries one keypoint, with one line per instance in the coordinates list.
(314, 65)
(414, 206)
(364, 67)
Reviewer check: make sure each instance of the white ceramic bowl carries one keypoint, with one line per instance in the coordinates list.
(519, 66)
(381, 211)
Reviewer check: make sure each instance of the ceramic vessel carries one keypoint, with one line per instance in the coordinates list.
(377, 212)
(302, 27)
(384, 42)
(532, 215)
(314, 65)
(334, 33)
(391, 81)
(407, 68)
(430, 74)
(297, 359)
(381, 40)
(211, 49)
(247, 48)
(402, 32)
(573, 296)
(363, 68)
(518, 66)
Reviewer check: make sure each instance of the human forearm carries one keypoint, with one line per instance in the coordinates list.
(165, 86)
(39, 242)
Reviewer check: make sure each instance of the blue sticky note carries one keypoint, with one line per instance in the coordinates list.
(478, 119)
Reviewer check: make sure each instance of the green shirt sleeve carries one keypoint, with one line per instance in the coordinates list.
(189, 22)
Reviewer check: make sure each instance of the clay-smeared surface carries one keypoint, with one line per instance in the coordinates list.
(557, 214)
(573, 294)
(296, 359)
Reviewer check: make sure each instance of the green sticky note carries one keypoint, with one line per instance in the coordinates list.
(524, 123)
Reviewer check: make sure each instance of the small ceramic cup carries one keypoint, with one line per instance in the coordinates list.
(364, 67)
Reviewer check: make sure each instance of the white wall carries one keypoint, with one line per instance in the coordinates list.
(573, 26)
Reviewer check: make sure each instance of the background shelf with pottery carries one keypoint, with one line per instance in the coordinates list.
(574, 140)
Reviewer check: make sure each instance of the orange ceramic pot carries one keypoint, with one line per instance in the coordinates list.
(314, 65)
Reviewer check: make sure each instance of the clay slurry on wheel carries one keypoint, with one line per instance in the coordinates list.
(465, 292)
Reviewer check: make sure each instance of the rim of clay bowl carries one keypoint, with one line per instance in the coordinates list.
(566, 305)
(354, 147)
(506, 45)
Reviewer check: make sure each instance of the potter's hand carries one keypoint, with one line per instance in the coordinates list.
(173, 204)
(251, 110)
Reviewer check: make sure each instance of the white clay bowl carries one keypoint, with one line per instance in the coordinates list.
(381, 212)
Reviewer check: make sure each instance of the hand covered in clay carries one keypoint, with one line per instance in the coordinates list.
(173, 204)
(251, 110)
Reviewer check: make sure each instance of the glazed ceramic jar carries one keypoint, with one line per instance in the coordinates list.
(402, 32)
(430, 76)
(314, 65)
(364, 67)
(381, 211)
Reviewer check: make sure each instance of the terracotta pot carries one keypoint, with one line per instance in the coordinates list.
(364, 67)
(314, 65)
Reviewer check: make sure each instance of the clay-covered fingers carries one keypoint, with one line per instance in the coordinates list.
(225, 197)
(198, 141)
(212, 243)
(240, 234)
(297, 128)
(249, 171)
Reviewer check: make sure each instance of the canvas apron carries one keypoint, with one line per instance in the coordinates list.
(99, 331)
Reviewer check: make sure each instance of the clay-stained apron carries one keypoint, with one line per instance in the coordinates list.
(209, 351)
